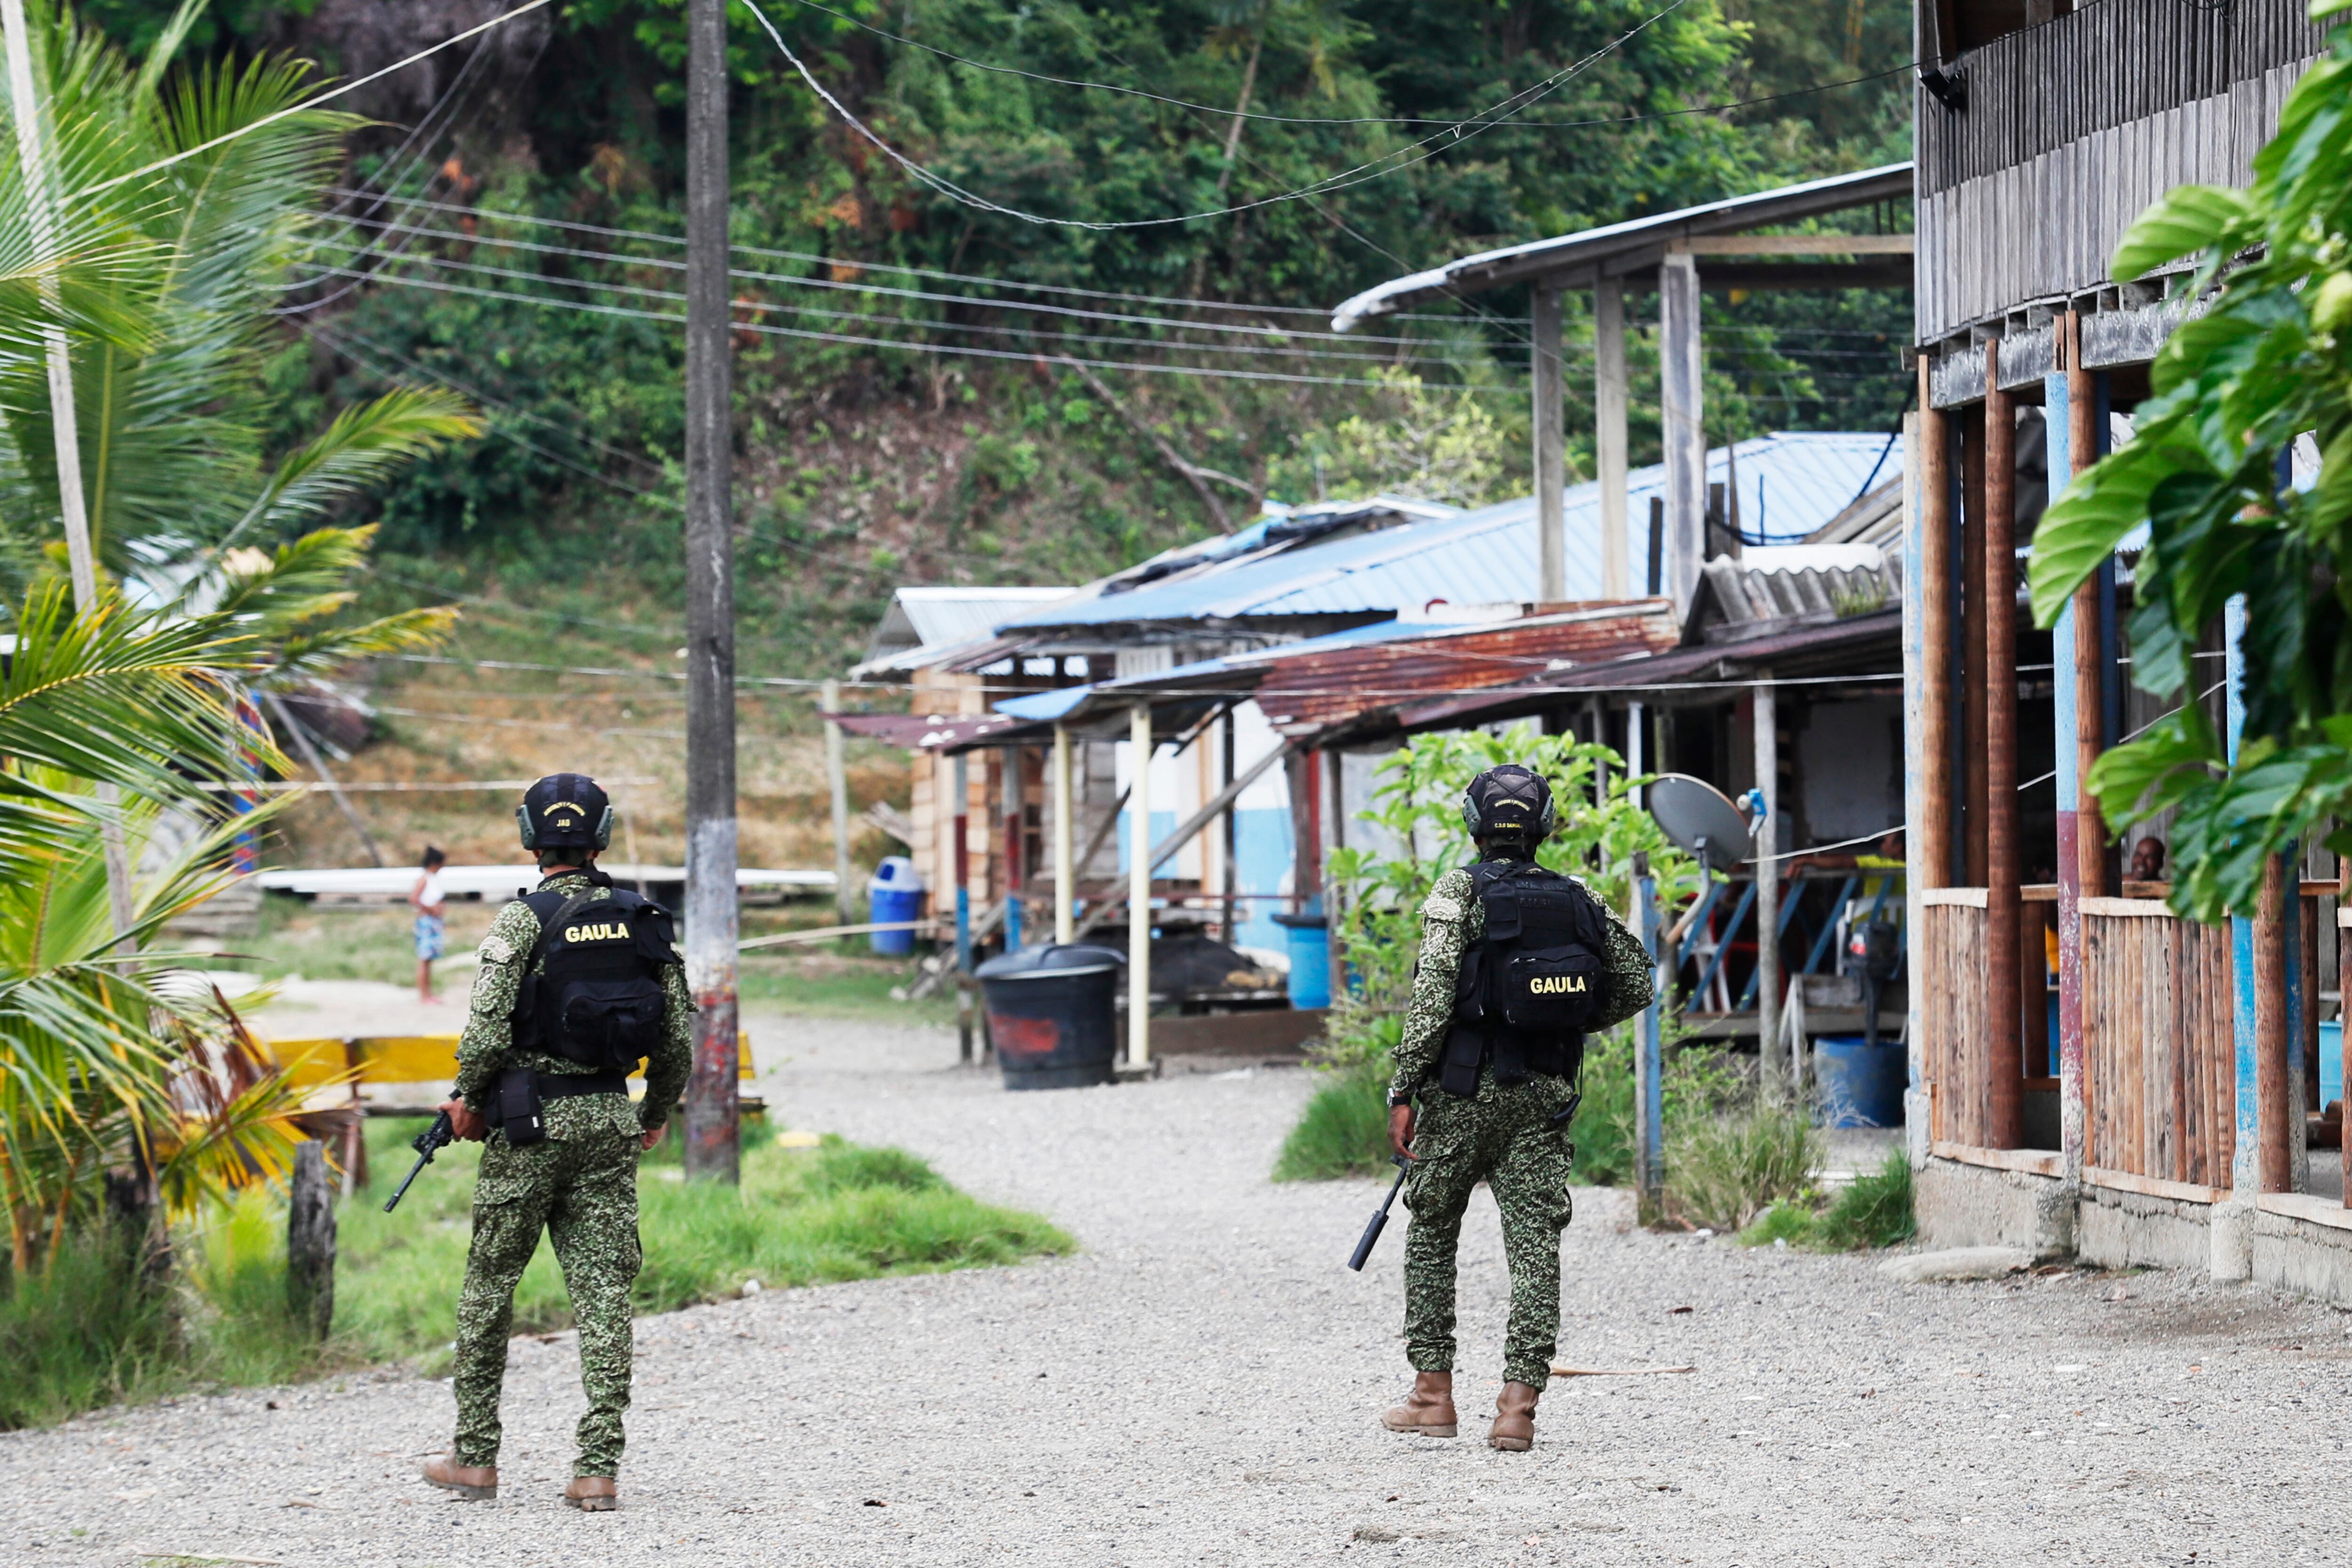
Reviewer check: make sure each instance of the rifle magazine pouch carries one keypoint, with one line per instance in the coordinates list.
(1466, 1051)
(517, 1109)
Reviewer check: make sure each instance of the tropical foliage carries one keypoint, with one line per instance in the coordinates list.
(127, 715)
(2268, 359)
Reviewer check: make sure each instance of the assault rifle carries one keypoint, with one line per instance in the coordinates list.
(427, 1143)
(1372, 1236)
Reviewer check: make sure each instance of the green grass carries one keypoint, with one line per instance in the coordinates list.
(1724, 1170)
(1343, 1132)
(1875, 1211)
(803, 1216)
(77, 1335)
(831, 983)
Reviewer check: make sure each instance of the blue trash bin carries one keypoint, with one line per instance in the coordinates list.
(1310, 958)
(895, 893)
(1861, 1084)
(2331, 1062)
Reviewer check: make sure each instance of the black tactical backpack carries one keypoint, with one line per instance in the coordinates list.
(598, 1002)
(1529, 991)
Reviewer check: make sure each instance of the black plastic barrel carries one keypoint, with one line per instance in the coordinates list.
(1049, 1015)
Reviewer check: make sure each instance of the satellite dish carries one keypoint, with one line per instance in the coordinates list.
(1698, 816)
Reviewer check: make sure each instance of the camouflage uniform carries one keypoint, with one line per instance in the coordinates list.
(1504, 1137)
(580, 1184)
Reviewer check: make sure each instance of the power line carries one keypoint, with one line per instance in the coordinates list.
(657, 237)
(965, 351)
(847, 287)
(1458, 132)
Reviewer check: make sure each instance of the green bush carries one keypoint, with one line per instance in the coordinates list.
(1343, 1132)
(1790, 1222)
(81, 1330)
(1726, 1169)
(1875, 1211)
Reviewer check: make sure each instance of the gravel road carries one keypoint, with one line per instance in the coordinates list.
(1201, 1384)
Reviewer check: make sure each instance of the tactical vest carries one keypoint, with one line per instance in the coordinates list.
(1527, 991)
(598, 1001)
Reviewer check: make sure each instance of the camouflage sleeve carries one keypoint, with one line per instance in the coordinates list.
(1446, 918)
(667, 1069)
(1627, 982)
(483, 1049)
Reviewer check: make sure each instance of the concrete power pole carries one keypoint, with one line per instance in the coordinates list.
(711, 1147)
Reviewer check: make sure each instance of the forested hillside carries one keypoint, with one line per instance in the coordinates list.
(930, 388)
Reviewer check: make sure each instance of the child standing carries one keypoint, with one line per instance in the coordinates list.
(430, 902)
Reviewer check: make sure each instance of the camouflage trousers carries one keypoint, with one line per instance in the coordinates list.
(579, 1186)
(1505, 1138)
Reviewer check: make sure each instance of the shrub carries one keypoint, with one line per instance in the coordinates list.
(1724, 1170)
(1789, 1222)
(81, 1331)
(1343, 1132)
(1875, 1211)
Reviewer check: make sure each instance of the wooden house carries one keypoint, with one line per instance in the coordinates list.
(2168, 1124)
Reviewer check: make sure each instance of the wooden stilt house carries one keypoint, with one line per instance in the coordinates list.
(2170, 1123)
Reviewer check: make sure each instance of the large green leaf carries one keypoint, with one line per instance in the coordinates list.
(2188, 220)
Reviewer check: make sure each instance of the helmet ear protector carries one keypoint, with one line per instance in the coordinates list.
(557, 812)
(1509, 801)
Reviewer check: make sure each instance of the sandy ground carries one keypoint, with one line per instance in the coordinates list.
(1200, 1383)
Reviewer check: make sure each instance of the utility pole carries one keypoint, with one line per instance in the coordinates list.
(837, 778)
(81, 560)
(712, 1152)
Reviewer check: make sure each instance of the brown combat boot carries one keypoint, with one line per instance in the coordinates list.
(1428, 1409)
(1515, 1417)
(592, 1494)
(478, 1483)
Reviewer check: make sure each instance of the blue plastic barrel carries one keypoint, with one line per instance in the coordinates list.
(895, 893)
(1310, 958)
(1861, 1084)
(2331, 1062)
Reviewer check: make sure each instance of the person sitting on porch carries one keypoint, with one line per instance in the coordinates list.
(2147, 860)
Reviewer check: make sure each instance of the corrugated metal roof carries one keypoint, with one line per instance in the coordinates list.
(1790, 484)
(1621, 243)
(941, 618)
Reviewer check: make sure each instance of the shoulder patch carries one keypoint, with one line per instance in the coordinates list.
(1441, 907)
(497, 949)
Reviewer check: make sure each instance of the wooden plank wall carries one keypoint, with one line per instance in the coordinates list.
(2073, 128)
(2159, 1061)
(1951, 967)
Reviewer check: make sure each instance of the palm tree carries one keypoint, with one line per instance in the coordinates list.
(115, 716)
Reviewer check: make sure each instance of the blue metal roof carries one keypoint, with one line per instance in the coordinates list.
(1790, 483)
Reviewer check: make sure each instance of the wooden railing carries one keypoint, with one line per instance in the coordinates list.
(2159, 1058)
(1950, 959)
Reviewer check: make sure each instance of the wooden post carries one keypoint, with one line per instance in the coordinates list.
(1015, 789)
(1767, 710)
(310, 1242)
(959, 824)
(1138, 887)
(1683, 428)
(2084, 446)
(837, 778)
(1065, 809)
(1972, 648)
(1550, 447)
(2273, 1093)
(1229, 861)
(1931, 836)
(2003, 1034)
(1924, 729)
(1609, 444)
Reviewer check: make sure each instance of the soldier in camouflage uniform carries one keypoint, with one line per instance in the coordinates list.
(579, 1183)
(1508, 1135)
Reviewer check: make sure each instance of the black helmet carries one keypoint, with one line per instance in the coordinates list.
(1509, 802)
(565, 811)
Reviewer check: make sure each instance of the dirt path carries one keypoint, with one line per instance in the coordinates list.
(1201, 1384)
